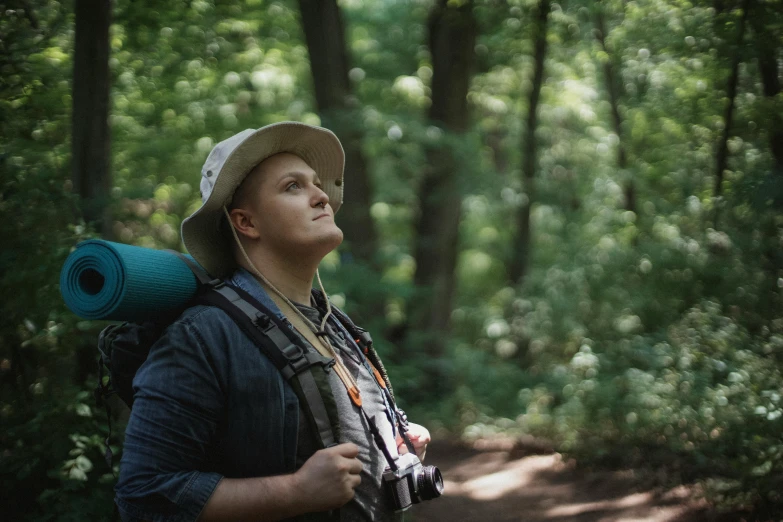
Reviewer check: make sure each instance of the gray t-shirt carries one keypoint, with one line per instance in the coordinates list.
(369, 503)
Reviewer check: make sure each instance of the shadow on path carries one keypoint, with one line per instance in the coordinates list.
(507, 485)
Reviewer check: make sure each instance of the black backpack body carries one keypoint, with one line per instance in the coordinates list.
(123, 349)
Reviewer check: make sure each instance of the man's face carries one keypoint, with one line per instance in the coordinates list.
(288, 209)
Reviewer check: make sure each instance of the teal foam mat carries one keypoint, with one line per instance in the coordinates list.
(106, 280)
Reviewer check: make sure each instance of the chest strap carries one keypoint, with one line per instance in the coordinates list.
(282, 348)
(277, 342)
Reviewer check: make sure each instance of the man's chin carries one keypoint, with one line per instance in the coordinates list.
(327, 242)
(334, 239)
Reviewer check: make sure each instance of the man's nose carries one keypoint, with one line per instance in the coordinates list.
(321, 198)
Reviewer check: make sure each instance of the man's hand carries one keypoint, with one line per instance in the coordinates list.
(419, 436)
(328, 479)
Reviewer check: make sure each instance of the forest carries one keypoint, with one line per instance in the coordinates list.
(562, 219)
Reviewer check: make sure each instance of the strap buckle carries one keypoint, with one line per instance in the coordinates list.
(300, 361)
(364, 336)
(216, 283)
(293, 352)
(263, 322)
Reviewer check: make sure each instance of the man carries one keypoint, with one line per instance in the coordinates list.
(216, 433)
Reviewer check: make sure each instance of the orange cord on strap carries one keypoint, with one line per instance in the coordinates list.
(356, 398)
(377, 374)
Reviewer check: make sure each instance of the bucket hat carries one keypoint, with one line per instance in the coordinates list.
(230, 162)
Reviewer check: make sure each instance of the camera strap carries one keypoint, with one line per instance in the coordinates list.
(376, 435)
(321, 343)
(402, 424)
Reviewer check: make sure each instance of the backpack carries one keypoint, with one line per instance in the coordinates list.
(124, 347)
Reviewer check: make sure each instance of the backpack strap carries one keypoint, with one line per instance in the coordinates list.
(364, 341)
(201, 274)
(287, 352)
(282, 347)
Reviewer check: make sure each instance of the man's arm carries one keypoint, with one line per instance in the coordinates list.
(179, 400)
(326, 481)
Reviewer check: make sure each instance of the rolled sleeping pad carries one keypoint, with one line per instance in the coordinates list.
(106, 280)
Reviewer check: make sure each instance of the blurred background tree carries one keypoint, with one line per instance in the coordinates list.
(562, 218)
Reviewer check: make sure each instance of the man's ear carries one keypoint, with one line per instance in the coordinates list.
(242, 221)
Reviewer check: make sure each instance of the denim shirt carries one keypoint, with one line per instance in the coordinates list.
(207, 405)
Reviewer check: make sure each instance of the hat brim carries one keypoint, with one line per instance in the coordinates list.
(202, 233)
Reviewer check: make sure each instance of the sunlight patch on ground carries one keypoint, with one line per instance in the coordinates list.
(526, 486)
(636, 507)
(493, 486)
(637, 499)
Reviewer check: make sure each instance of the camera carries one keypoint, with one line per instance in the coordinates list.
(411, 482)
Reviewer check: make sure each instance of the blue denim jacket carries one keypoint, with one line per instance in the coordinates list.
(207, 404)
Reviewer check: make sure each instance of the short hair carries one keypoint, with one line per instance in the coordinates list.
(238, 199)
(241, 194)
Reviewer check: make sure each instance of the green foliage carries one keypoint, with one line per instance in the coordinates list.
(648, 338)
(53, 466)
(701, 400)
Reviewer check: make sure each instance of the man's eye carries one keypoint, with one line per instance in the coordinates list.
(292, 185)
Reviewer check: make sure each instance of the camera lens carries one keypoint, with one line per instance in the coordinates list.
(430, 483)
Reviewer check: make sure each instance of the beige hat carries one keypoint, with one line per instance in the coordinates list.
(228, 164)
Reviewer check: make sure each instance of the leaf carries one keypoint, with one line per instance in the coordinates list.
(83, 410)
(763, 469)
(77, 474)
(83, 463)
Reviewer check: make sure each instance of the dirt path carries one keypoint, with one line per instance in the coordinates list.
(497, 484)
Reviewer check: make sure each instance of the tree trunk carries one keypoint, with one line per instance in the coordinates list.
(452, 37)
(722, 155)
(768, 68)
(90, 141)
(494, 140)
(521, 257)
(329, 63)
(767, 51)
(629, 186)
